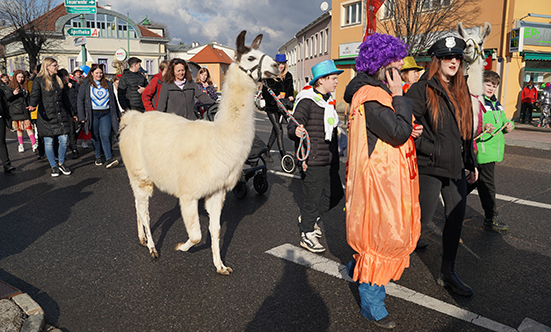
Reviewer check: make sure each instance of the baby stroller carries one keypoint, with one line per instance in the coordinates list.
(255, 165)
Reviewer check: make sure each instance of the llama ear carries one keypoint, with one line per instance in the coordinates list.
(240, 42)
(256, 42)
(487, 31)
(461, 30)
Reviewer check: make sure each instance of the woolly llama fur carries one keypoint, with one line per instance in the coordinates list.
(195, 159)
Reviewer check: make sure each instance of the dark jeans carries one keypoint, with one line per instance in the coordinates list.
(322, 189)
(454, 193)
(73, 135)
(486, 188)
(101, 133)
(526, 112)
(3, 148)
(277, 132)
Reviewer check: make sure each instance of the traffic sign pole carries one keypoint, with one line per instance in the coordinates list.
(83, 47)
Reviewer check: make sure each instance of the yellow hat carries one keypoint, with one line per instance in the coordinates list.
(409, 63)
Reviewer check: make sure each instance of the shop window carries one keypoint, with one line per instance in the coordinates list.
(103, 63)
(149, 67)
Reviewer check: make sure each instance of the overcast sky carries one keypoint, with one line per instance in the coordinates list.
(222, 20)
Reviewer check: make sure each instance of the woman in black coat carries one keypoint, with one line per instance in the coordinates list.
(282, 86)
(98, 111)
(54, 113)
(442, 104)
(4, 123)
(17, 97)
(179, 92)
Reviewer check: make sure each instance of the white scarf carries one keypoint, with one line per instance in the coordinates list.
(330, 115)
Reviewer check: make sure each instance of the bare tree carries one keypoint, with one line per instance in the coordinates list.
(30, 24)
(421, 22)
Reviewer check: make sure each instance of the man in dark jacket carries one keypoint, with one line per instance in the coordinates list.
(131, 86)
(4, 122)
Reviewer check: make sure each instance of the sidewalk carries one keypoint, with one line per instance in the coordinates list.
(529, 136)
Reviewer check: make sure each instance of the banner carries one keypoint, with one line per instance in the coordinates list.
(372, 6)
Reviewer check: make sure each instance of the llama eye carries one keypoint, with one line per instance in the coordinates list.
(251, 58)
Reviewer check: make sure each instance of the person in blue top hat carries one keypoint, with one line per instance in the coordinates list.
(321, 185)
(282, 86)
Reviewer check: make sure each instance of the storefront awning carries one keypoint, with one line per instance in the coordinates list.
(537, 56)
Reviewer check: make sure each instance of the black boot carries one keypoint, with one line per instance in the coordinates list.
(75, 154)
(8, 168)
(449, 279)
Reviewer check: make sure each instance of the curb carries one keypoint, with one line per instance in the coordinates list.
(529, 127)
(35, 320)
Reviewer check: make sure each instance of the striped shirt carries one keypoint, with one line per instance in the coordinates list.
(100, 97)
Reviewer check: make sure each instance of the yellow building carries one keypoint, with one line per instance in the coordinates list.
(533, 61)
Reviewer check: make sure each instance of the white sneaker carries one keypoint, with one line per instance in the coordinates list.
(35, 147)
(21, 148)
(84, 145)
(310, 242)
(317, 229)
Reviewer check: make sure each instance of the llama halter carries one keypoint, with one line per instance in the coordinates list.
(302, 152)
(257, 67)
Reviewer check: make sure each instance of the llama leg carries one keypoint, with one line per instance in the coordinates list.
(142, 192)
(213, 205)
(190, 214)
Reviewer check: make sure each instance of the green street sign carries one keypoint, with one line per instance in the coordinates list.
(81, 10)
(79, 32)
(85, 3)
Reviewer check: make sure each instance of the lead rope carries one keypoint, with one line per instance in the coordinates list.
(303, 150)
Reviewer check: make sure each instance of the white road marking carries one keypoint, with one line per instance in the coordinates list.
(322, 264)
(519, 201)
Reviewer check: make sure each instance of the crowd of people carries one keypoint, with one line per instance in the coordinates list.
(411, 139)
(56, 108)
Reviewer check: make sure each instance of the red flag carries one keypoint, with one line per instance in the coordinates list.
(372, 8)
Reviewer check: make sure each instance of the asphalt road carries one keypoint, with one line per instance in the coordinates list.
(71, 243)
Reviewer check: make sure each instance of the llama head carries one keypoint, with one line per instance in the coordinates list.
(255, 63)
(474, 50)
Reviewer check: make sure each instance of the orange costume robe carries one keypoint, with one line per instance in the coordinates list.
(382, 198)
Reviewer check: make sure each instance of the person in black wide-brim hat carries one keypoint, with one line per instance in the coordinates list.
(442, 104)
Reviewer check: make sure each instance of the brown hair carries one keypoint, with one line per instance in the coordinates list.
(492, 77)
(163, 65)
(282, 74)
(458, 94)
(169, 75)
(13, 82)
(202, 70)
(90, 77)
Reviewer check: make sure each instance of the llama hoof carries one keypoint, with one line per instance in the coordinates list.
(154, 254)
(143, 242)
(226, 271)
(181, 246)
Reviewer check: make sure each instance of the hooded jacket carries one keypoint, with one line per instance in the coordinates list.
(150, 96)
(440, 151)
(54, 111)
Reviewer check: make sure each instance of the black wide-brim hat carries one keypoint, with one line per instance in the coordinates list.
(447, 46)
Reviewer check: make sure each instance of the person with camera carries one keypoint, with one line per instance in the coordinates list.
(282, 86)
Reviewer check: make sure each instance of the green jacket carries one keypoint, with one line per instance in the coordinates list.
(491, 148)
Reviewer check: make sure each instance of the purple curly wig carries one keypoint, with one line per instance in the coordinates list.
(379, 50)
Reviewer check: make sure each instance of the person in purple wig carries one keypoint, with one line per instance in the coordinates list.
(386, 120)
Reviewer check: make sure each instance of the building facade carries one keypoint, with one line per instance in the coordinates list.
(111, 31)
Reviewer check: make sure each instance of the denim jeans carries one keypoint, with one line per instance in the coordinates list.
(49, 148)
(101, 133)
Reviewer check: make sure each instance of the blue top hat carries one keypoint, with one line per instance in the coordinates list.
(280, 58)
(322, 69)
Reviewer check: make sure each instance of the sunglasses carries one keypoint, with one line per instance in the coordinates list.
(448, 58)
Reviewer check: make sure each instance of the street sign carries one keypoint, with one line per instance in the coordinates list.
(83, 32)
(74, 3)
(81, 6)
(81, 10)
(79, 41)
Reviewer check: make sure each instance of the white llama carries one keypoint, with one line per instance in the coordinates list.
(209, 156)
(474, 66)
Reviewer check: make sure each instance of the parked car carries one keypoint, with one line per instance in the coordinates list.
(259, 100)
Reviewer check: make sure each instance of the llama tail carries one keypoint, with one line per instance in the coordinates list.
(127, 118)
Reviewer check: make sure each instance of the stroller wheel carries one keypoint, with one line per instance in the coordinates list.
(240, 190)
(288, 163)
(260, 183)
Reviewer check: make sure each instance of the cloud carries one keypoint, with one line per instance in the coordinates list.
(222, 20)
